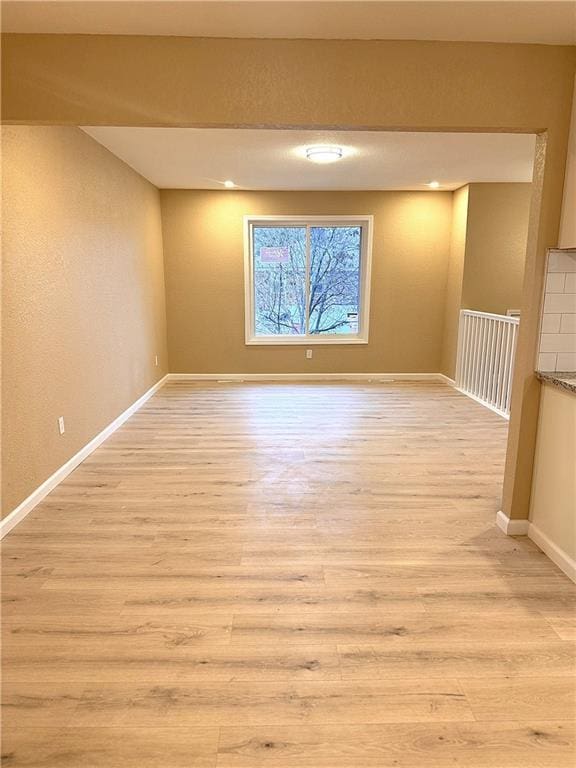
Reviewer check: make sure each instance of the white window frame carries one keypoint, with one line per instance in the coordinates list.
(367, 224)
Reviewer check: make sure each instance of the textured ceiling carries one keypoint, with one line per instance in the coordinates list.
(191, 158)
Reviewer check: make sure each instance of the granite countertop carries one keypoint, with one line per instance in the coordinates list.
(563, 379)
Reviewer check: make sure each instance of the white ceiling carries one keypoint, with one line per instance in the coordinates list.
(203, 158)
(514, 21)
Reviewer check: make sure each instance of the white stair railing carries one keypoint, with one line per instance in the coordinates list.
(485, 361)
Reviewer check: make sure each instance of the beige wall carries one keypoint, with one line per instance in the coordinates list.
(553, 503)
(378, 84)
(204, 261)
(83, 297)
(496, 233)
(567, 237)
(453, 297)
(388, 85)
(487, 255)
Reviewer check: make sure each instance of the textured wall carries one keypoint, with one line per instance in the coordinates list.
(496, 235)
(567, 236)
(204, 264)
(141, 80)
(453, 298)
(83, 297)
(487, 254)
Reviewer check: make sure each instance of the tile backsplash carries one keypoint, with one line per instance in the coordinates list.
(557, 351)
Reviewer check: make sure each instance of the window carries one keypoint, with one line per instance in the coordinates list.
(307, 279)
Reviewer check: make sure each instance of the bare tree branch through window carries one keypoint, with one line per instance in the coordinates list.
(296, 294)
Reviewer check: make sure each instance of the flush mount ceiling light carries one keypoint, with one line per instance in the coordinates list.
(434, 184)
(229, 184)
(324, 153)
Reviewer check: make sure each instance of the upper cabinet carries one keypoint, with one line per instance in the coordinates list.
(567, 237)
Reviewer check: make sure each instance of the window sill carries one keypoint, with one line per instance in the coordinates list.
(275, 341)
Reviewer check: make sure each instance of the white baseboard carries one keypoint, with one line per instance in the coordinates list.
(452, 383)
(511, 527)
(482, 402)
(305, 377)
(48, 485)
(557, 555)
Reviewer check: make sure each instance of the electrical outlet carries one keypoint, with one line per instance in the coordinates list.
(61, 427)
(309, 354)
(156, 360)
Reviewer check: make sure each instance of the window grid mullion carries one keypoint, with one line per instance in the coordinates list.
(307, 281)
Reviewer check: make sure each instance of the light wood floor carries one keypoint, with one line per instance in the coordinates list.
(252, 575)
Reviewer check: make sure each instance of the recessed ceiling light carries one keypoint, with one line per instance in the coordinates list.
(433, 184)
(324, 153)
(229, 184)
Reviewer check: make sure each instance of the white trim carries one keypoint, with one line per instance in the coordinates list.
(367, 224)
(491, 315)
(553, 551)
(484, 403)
(306, 341)
(452, 383)
(375, 377)
(511, 527)
(48, 485)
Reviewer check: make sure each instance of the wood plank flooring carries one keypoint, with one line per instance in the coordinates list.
(268, 575)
